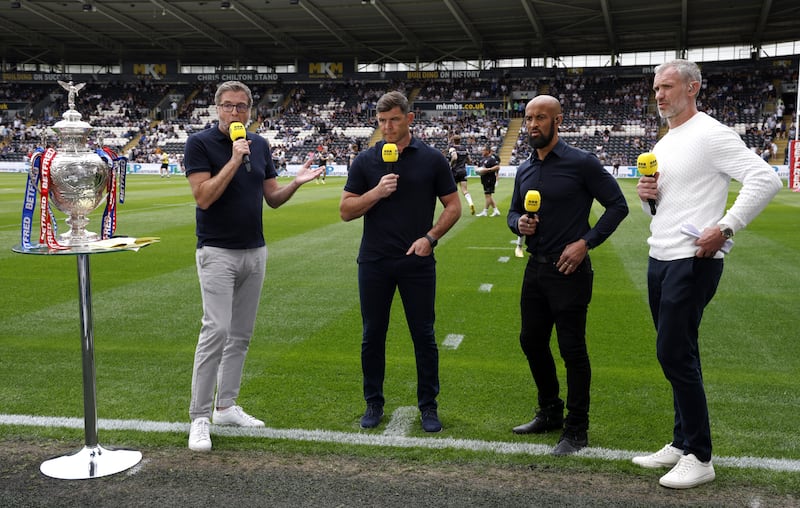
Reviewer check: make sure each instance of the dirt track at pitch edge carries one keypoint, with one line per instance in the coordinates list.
(170, 477)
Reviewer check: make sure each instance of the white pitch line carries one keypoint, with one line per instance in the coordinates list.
(401, 421)
(503, 259)
(452, 341)
(372, 439)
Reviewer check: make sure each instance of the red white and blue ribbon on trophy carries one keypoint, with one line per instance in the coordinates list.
(39, 183)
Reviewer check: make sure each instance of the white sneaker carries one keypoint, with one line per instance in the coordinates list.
(687, 473)
(665, 457)
(496, 212)
(519, 252)
(199, 436)
(482, 214)
(235, 415)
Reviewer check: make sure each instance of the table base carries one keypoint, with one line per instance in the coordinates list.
(90, 462)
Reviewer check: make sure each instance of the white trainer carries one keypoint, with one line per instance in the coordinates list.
(687, 473)
(496, 212)
(199, 435)
(482, 214)
(236, 416)
(665, 457)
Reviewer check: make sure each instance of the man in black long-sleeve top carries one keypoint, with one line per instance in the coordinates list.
(557, 285)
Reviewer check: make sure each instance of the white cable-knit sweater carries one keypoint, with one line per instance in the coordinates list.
(696, 162)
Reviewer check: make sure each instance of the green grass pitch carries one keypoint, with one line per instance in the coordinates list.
(303, 369)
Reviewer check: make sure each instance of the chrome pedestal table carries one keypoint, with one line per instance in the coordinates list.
(93, 461)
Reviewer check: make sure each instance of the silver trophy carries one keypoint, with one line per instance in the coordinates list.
(78, 176)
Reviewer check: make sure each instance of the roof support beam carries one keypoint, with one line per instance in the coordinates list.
(758, 35)
(198, 26)
(683, 41)
(612, 39)
(335, 30)
(538, 28)
(82, 32)
(397, 25)
(466, 24)
(264, 26)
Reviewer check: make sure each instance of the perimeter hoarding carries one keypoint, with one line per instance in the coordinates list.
(794, 165)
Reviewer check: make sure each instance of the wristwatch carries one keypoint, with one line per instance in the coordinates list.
(726, 231)
(433, 241)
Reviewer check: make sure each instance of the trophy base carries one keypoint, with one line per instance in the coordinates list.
(90, 462)
(77, 238)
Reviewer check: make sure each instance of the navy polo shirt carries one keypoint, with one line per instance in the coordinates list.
(394, 223)
(234, 221)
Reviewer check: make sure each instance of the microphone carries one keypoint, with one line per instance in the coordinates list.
(533, 200)
(647, 165)
(237, 131)
(390, 155)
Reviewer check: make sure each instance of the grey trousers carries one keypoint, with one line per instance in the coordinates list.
(230, 284)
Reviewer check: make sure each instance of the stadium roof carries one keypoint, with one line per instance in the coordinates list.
(277, 32)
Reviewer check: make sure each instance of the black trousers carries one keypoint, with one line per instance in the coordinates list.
(415, 278)
(550, 298)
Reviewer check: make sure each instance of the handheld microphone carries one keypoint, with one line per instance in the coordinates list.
(390, 155)
(237, 131)
(533, 200)
(647, 165)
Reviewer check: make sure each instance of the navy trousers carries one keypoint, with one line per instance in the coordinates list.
(679, 292)
(415, 279)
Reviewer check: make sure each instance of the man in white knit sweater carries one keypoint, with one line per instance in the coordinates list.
(697, 159)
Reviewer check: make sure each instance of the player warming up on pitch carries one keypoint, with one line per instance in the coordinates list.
(397, 197)
(489, 167)
(696, 161)
(459, 158)
(557, 285)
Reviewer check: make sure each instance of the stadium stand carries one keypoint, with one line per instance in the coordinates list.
(611, 115)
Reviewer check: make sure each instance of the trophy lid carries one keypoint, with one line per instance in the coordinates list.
(72, 125)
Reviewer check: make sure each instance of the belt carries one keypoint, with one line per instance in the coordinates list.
(545, 258)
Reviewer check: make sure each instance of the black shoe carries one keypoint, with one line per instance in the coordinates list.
(543, 421)
(430, 421)
(570, 443)
(372, 416)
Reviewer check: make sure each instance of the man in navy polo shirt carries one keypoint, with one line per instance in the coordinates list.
(230, 182)
(397, 201)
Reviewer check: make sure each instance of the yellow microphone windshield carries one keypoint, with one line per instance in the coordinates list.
(237, 131)
(647, 164)
(389, 152)
(533, 200)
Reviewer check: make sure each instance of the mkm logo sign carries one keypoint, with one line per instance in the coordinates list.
(330, 70)
(155, 71)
